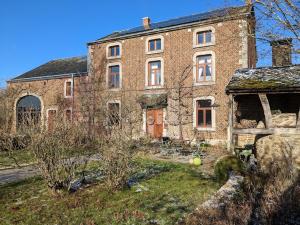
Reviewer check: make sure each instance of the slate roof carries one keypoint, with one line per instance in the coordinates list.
(231, 11)
(265, 79)
(56, 68)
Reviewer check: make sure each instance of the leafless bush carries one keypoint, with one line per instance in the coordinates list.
(117, 159)
(59, 154)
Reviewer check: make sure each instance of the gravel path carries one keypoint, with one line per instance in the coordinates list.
(13, 175)
(19, 174)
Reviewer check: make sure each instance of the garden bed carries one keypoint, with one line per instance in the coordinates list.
(161, 199)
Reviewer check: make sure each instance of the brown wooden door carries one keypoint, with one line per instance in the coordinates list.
(51, 119)
(155, 123)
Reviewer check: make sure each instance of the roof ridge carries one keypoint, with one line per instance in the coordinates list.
(166, 23)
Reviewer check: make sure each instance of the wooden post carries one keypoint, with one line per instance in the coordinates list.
(267, 110)
(298, 121)
(229, 129)
(230, 124)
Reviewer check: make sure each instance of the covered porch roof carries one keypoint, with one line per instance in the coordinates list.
(265, 79)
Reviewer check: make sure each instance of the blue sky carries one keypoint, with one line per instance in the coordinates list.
(34, 31)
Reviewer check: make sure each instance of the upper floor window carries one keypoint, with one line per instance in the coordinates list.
(154, 45)
(154, 73)
(68, 89)
(114, 76)
(114, 51)
(204, 113)
(204, 37)
(204, 68)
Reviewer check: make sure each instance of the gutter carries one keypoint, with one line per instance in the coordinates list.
(159, 30)
(49, 77)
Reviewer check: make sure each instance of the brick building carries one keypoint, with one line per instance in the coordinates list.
(172, 75)
(46, 90)
(164, 79)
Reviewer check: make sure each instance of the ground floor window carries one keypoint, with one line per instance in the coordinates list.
(204, 113)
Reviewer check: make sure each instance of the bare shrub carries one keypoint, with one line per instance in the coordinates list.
(117, 159)
(59, 154)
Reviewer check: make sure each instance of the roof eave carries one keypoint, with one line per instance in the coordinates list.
(48, 77)
(266, 90)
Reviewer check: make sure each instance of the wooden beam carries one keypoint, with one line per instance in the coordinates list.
(267, 110)
(298, 121)
(230, 124)
(256, 131)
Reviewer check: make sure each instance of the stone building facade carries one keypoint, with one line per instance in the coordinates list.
(50, 89)
(163, 79)
(159, 60)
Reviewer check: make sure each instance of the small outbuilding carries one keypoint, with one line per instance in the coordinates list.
(265, 100)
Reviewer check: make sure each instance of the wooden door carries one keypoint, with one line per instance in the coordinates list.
(155, 123)
(51, 119)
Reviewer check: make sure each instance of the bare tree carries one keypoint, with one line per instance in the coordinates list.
(179, 95)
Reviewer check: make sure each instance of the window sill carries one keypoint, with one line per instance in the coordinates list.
(154, 87)
(212, 129)
(205, 83)
(154, 52)
(114, 89)
(114, 57)
(203, 45)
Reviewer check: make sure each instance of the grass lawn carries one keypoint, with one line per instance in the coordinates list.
(21, 157)
(164, 198)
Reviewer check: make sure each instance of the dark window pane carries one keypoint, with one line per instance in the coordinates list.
(204, 103)
(200, 118)
(152, 45)
(200, 38)
(158, 44)
(208, 71)
(117, 50)
(208, 117)
(112, 51)
(208, 37)
(115, 69)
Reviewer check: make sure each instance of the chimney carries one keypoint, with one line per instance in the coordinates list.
(282, 52)
(146, 23)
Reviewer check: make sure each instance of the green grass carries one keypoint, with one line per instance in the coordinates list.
(20, 156)
(166, 198)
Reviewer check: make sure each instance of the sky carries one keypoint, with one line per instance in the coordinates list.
(33, 32)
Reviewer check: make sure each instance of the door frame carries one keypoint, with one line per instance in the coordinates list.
(165, 131)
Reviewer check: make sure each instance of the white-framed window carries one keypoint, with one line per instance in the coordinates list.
(68, 88)
(204, 68)
(114, 50)
(114, 113)
(204, 117)
(204, 37)
(114, 76)
(154, 70)
(154, 44)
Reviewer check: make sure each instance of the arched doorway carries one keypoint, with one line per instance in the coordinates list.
(28, 111)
